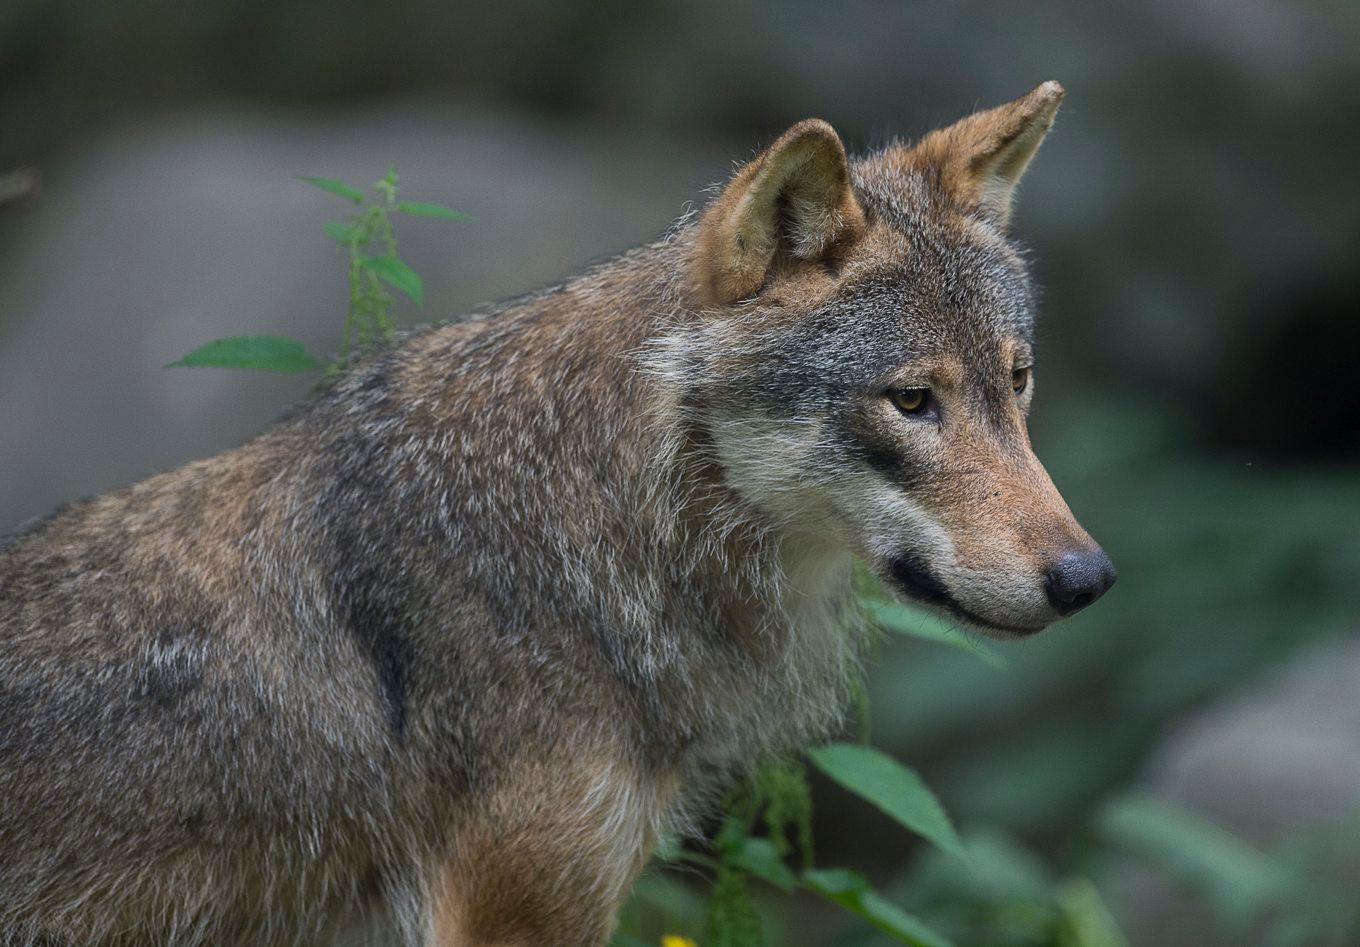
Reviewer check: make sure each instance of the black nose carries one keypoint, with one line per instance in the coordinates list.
(1078, 579)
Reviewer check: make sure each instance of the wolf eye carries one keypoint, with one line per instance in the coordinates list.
(1020, 380)
(909, 400)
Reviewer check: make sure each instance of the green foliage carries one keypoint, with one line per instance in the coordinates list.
(266, 353)
(1241, 882)
(392, 271)
(782, 785)
(733, 920)
(426, 209)
(851, 890)
(762, 858)
(902, 619)
(1002, 894)
(370, 241)
(337, 187)
(628, 940)
(890, 786)
(1085, 919)
(768, 822)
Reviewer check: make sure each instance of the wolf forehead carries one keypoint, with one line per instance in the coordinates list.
(925, 280)
(941, 269)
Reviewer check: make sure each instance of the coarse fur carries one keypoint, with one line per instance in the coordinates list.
(434, 660)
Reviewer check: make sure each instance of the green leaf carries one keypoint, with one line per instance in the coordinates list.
(1001, 868)
(760, 857)
(851, 891)
(1240, 880)
(398, 275)
(336, 187)
(266, 353)
(342, 233)
(426, 209)
(918, 623)
(894, 788)
(1088, 920)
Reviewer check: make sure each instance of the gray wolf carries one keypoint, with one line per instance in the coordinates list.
(439, 655)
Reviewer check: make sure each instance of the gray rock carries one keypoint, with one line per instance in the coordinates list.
(1281, 757)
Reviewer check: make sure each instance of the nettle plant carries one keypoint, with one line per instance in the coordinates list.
(763, 845)
(371, 242)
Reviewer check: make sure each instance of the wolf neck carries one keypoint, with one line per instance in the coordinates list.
(621, 516)
(632, 311)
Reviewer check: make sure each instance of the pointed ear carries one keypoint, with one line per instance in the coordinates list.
(796, 197)
(985, 154)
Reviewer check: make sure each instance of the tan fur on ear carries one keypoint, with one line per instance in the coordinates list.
(796, 194)
(984, 155)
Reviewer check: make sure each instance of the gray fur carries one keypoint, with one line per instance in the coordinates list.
(253, 701)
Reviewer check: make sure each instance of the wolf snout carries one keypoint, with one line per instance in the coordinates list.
(1078, 578)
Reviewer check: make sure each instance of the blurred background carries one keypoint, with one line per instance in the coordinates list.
(1188, 752)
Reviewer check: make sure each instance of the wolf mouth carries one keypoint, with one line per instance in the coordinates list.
(914, 579)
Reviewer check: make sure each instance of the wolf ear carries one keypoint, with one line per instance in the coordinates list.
(795, 196)
(985, 154)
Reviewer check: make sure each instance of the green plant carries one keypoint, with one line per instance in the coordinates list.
(370, 240)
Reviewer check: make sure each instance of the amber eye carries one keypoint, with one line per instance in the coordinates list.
(1020, 380)
(910, 400)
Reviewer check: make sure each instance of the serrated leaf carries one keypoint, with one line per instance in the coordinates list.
(341, 233)
(426, 209)
(851, 891)
(1238, 878)
(762, 859)
(918, 623)
(265, 353)
(892, 787)
(336, 187)
(393, 271)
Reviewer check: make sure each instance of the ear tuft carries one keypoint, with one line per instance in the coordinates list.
(985, 154)
(795, 196)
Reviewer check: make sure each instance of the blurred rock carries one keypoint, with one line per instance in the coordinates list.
(1281, 757)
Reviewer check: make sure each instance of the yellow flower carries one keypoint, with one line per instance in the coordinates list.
(674, 940)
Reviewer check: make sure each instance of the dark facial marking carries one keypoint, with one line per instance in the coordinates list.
(914, 579)
(876, 448)
(913, 576)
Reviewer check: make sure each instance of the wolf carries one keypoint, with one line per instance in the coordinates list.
(433, 661)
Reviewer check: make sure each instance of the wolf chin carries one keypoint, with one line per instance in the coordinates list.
(434, 660)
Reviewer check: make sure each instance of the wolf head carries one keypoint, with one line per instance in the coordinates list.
(865, 364)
